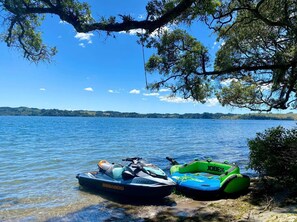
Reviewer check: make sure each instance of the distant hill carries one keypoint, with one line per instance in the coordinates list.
(25, 111)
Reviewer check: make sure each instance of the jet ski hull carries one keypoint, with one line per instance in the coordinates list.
(134, 188)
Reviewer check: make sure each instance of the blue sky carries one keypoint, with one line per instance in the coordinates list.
(93, 71)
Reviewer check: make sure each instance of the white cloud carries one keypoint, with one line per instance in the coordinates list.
(84, 37)
(134, 91)
(160, 31)
(212, 102)
(63, 22)
(227, 82)
(89, 89)
(42, 89)
(113, 91)
(151, 94)
(142, 31)
(133, 32)
(141, 16)
(164, 90)
(82, 45)
(218, 44)
(173, 99)
(266, 87)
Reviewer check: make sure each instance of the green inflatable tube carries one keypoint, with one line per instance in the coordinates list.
(209, 177)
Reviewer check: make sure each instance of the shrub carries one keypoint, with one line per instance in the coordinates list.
(274, 154)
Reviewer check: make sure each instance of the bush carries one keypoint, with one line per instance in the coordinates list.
(274, 154)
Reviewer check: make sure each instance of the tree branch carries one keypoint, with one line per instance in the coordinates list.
(247, 68)
(126, 25)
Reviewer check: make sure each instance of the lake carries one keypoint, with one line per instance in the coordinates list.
(40, 156)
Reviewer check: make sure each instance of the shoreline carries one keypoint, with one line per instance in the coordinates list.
(253, 206)
(25, 111)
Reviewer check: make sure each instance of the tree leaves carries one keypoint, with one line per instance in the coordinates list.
(259, 43)
(180, 59)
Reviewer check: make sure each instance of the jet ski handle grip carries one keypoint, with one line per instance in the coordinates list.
(132, 159)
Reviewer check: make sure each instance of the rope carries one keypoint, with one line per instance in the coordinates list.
(143, 59)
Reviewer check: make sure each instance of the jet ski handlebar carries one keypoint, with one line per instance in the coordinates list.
(135, 163)
(172, 161)
(134, 160)
(139, 165)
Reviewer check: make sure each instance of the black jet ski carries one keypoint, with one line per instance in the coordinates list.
(137, 179)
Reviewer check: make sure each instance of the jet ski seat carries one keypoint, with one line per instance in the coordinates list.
(113, 170)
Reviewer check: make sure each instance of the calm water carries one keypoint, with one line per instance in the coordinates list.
(40, 156)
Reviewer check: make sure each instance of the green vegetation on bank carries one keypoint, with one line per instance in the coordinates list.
(273, 153)
(25, 111)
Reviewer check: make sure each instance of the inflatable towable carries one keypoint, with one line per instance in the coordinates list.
(208, 178)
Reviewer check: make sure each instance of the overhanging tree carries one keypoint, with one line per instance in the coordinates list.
(256, 62)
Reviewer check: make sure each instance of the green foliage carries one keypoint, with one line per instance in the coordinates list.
(239, 93)
(274, 153)
(179, 58)
(23, 19)
(255, 67)
(23, 33)
(260, 43)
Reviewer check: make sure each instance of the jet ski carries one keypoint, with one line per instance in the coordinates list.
(137, 179)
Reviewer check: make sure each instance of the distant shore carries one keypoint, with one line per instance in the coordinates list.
(25, 111)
